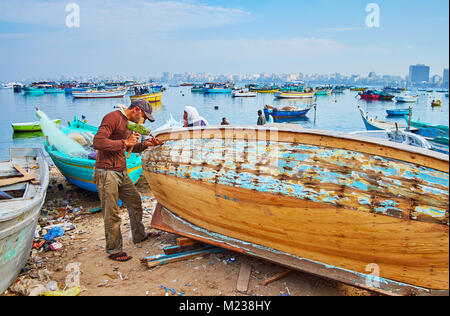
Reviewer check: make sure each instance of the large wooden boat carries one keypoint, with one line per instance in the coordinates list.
(332, 204)
(23, 184)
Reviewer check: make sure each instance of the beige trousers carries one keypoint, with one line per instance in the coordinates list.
(112, 186)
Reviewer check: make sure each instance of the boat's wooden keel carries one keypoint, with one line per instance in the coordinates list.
(165, 220)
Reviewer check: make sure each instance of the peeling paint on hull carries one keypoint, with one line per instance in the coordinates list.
(353, 206)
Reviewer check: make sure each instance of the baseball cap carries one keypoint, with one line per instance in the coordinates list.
(145, 106)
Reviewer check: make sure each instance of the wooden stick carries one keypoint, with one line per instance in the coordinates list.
(276, 277)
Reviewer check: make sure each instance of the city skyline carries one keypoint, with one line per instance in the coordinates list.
(147, 38)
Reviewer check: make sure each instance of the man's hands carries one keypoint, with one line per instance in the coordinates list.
(153, 142)
(132, 140)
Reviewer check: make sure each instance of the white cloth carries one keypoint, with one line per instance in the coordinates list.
(193, 116)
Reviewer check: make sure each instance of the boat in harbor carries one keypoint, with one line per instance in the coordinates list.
(287, 112)
(23, 187)
(80, 170)
(369, 95)
(322, 202)
(53, 90)
(306, 94)
(436, 103)
(324, 91)
(406, 99)
(198, 89)
(397, 112)
(265, 89)
(30, 126)
(96, 94)
(34, 91)
(358, 89)
(225, 88)
(373, 123)
(243, 94)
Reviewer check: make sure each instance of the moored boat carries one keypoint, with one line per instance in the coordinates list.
(327, 203)
(397, 112)
(30, 127)
(243, 94)
(436, 103)
(294, 95)
(397, 136)
(373, 123)
(80, 170)
(406, 98)
(287, 113)
(94, 94)
(23, 180)
(369, 95)
(30, 90)
(150, 97)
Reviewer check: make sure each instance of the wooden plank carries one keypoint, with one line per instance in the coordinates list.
(159, 260)
(244, 277)
(10, 181)
(276, 277)
(177, 249)
(183, 241)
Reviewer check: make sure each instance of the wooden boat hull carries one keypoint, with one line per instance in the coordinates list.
(406, 99)
(19, 216)
(30, 127)
(152, 97)
(280, 115)
(80, 171)
(338, 200)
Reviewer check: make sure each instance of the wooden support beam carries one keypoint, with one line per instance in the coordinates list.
(276, 277)
(183, 241)
(162, 259)
(179, 249)
(244, 277)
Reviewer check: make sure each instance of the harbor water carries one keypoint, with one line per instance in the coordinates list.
(336, 112)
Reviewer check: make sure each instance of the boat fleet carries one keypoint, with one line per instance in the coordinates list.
(331, 201)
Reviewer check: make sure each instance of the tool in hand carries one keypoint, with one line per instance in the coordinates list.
(136, 128)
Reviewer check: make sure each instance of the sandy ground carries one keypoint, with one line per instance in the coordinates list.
(210, 275)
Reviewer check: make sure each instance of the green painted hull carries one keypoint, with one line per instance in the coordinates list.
(30, 127)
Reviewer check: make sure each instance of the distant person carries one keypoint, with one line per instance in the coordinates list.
(261, 118)
(192, 118)
(224, 121)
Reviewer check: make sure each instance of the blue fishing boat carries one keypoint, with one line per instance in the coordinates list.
(80, 171)
(373, 123)
(397, 112)
(287, 113)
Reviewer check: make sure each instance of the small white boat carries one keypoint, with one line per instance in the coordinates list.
(397, 136)
(243, 94)
(23, 186)
(95, 94)
(406, 98)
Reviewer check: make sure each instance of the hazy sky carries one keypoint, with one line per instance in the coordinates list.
(145, 38)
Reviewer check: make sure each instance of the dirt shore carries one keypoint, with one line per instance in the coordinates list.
(210, 275)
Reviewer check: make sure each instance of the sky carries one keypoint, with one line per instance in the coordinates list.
(148, 37)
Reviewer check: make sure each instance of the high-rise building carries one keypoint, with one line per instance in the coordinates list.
(419, 73)
(445, 77)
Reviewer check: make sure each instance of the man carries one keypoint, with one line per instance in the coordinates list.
(111, 177)
(261, 118)
(224, 121)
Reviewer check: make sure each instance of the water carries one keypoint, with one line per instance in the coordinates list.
(334, 113)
